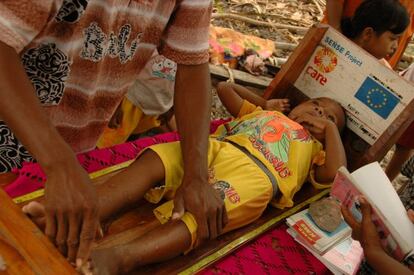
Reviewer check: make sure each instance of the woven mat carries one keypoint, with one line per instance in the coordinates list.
(275, 252)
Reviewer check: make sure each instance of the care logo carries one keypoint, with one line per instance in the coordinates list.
(325, 60)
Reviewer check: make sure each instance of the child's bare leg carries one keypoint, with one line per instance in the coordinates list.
(129, 186)
(400, 156)
(162, 243)
(121, 190)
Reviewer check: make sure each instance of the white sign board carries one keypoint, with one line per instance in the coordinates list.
(372, 94)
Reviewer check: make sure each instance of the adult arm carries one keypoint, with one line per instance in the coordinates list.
(334, 10)
(72, 219)
(366, 233)
(385, 264)
(192, 101)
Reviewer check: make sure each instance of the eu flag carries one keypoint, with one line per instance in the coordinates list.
(377, 97)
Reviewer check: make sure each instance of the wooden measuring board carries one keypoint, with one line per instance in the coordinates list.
(20, 244)
(378, 102)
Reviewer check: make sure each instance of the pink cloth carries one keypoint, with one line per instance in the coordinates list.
(275, 252)
(31, 177)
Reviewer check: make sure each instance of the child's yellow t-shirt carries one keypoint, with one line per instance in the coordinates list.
(284, 146)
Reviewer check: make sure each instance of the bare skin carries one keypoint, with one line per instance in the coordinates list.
(322, 117)
(366, 233)
(334, 10)
(195, 195)
(230, 94)
(380, 46)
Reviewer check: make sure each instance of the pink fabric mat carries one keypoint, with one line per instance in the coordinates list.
(31, 177)
(275, 252)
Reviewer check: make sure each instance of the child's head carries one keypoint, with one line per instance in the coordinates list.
(321, 107)
(376, 26)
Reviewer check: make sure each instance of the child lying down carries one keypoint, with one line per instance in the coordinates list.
(260, 157)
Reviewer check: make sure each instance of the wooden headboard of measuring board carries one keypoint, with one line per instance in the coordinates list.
(379, 103)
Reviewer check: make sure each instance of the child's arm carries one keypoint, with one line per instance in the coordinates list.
(233, 95)
(327, 132)
(334, 10)
(335, 155)
(366, 233)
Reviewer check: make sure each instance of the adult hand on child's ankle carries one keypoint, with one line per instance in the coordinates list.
(204, 203)
(71, 210)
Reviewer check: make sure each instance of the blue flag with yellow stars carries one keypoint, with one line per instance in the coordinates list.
(378, 98)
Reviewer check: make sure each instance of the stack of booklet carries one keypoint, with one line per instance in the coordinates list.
(336, 250)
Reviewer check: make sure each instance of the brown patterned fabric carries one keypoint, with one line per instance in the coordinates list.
(83, 55)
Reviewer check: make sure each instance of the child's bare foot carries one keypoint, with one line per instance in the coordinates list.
(103, 262)
(281, 105)
(36, 212)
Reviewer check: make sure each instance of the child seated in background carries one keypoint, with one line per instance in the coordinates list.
(261, 156)
(376, 27)
(336, 10)
(147, 105)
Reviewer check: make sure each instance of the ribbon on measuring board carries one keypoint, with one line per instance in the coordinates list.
(39, 193)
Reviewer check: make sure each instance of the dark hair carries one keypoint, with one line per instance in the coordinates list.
(381, 15)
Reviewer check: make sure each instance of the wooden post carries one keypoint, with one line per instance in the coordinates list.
(291, 70)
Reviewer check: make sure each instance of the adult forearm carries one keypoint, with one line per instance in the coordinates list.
(334, 10)
(192, 103)
(20, 109)
(384, 264)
